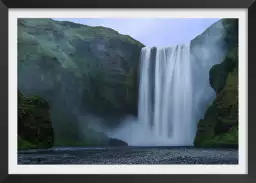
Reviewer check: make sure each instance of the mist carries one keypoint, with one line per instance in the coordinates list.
(64, 93)
(136, 134)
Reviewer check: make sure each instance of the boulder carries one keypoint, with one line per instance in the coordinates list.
(117, 142)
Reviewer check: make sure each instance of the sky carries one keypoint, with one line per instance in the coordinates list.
(160, 32)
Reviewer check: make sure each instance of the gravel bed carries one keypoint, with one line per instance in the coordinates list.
(130, 155)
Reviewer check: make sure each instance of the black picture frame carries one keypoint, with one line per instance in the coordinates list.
(5, 4)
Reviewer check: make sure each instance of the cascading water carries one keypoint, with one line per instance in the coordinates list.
(174, 93)
(165, 94)
(169, 105)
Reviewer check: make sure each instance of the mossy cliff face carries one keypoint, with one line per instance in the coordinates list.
(96, 64)
(219, 128)
(219, 125)
(79, 70)
(34, 123)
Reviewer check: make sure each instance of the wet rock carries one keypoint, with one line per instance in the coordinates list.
(117, 142)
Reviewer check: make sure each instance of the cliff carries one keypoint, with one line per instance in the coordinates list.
(219, 127)
(34, 123)
(79, 70)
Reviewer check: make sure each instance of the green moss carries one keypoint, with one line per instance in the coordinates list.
(89, 69)
(228, 139)
(23, 144)
(48, 48)
(219, 128)
(34, 123)
(220, 72)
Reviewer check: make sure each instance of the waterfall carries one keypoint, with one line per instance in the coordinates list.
(169, 102)
(174, 94)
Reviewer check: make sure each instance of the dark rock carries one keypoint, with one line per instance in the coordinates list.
(219, 73)
(117, 142)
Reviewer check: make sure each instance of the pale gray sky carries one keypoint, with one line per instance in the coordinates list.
(153, 31)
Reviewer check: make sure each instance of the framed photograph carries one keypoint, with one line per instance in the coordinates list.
(111, 87)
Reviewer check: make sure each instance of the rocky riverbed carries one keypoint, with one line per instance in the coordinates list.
(129, 155)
